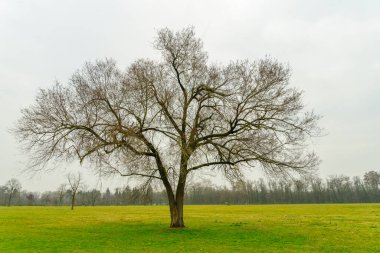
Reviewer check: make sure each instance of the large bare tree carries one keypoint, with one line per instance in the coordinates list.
(164, 120)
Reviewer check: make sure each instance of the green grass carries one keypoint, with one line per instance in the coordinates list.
(262, 228)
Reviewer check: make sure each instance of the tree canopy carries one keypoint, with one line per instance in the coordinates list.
(163, 120)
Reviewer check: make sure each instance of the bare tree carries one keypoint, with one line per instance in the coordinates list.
(75, 182)
(372, 180)
(13, 186)
(61, 191)
(30, 198)
(164, 120)
(94, 196)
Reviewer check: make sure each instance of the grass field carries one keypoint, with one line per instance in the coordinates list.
(261, 228)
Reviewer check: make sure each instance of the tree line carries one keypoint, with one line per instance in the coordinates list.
(311, 189)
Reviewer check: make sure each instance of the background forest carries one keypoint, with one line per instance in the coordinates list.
(312, 189)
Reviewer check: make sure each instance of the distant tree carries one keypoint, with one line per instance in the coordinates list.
(30, 198)
(3, 195)
(361, 194)
(164, 120)
(107, 197)
(340, 188)
(136, 195)
(13, 186)
(94, 196)
(317, 189)
(147, 195)
(118, 196)
(372, 180)
(75, 182)
(61, 192)
(126, 193)
(48, 198)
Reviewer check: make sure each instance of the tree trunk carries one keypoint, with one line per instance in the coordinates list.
(72, 201)
(176, 215)
(9, 199)
(176, 207)
(176, 210)
(175, 202)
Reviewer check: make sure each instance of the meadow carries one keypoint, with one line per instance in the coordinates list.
(254, 228)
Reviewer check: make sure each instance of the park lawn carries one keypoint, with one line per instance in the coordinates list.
(251, 228)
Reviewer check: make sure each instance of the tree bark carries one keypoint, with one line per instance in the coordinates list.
(9, 199)
(72, 201)
(176, 215)
(176, 208)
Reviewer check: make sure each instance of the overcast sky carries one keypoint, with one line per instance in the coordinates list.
(333, 48)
